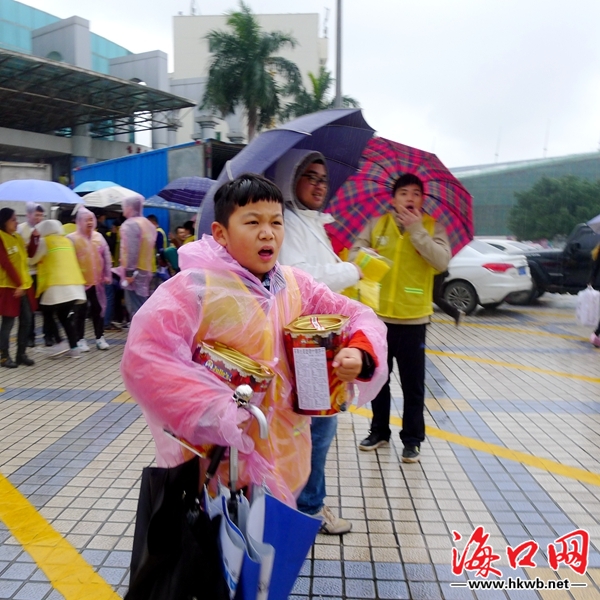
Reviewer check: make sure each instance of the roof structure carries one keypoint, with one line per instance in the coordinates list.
(45, 96)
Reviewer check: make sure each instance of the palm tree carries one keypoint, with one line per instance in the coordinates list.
(306, 102)
(243, 69)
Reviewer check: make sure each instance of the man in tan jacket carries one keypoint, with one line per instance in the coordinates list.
(419, 248)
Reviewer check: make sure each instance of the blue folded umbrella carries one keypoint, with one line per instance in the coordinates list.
(339, 134)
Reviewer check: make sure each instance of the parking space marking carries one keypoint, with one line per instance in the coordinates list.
(499, 363)
(544, 464)
(66, 569)
(565, 336)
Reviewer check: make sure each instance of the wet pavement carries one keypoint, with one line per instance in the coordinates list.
(513, 451)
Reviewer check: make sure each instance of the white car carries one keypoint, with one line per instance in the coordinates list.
(482, 274)
(510, 246)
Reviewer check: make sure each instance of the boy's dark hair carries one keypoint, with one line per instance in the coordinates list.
(152, 218)
(189, 225)
(407, 179)
(242, 190)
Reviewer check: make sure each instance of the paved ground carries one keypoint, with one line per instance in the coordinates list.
(513, 399)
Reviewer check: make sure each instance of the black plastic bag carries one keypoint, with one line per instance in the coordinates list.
(175, 550)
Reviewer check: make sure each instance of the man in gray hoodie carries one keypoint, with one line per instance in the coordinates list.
(302, 177)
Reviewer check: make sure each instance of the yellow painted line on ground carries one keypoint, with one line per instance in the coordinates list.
(544, 464)
(499, 363)
(2, 390)
(65, 568)
(565, 336)
(123, 397)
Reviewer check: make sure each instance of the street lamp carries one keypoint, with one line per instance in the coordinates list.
(338, 57)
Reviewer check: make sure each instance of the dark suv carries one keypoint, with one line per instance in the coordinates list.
(565, 271)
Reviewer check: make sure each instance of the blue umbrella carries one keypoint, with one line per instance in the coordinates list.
(189, 191)
(93, 186)
(339, 134)
(37, 190)
(158, 202)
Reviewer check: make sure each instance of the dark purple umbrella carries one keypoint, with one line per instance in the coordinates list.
(340, 134)
(189, 191)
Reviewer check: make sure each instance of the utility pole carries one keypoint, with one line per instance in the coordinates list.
(338, 57)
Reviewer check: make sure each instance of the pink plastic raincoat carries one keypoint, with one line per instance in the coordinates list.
(93, 255)
(215, 299)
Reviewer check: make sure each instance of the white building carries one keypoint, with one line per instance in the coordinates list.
(192, 60)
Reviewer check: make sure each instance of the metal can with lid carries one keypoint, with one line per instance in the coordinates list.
(311, 343)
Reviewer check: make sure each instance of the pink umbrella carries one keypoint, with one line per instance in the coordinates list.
(368, 193)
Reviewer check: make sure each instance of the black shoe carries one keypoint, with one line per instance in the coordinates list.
(31, 344)
(8, 362)
(373, 441)
(48, 342)
(411, 454)
(23, 359)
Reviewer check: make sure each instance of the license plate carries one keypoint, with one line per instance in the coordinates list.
(522, 270)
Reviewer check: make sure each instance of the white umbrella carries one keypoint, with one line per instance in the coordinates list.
(595, 224)
(38, 191)
(107, 196)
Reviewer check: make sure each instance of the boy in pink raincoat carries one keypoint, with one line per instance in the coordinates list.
(93, 256)
(232, 290)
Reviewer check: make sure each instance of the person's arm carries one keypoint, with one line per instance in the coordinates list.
(7, 266)
(34, 242)
(434, 249)
(106, 260)
(158, 370)
(336, 275)
(39, 253)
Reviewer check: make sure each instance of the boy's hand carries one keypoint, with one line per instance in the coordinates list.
(347, 364)
(409, 217)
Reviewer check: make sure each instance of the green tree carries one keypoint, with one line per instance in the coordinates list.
(243, 70)
(553, 207)
(306, 102)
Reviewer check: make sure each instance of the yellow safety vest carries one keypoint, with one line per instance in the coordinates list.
(89, 253)
(407, 289)
(190, 239)
(15, 248)
(59, 266)
(69, 228)
(147, 253)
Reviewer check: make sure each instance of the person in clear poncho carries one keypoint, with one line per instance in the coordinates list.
(232, 290)
(137, 254)
(93, 256)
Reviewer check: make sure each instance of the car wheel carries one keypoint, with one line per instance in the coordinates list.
(491, 305)
(461, 295)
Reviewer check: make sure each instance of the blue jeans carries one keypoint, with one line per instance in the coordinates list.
(133, 302)
(322, 432)
(110, 304)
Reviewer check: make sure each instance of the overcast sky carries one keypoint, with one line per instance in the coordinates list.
(475, 81)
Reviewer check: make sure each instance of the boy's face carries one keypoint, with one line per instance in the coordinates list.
(311, 188)
(409, 197)
(254, 235)
(181, 234)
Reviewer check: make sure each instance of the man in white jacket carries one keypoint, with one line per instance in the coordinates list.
(302, 177)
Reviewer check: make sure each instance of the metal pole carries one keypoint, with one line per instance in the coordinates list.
(338, 57)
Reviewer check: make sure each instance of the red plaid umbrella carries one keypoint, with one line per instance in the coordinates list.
(368, 193)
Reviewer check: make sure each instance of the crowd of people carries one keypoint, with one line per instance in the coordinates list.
(78, 268)
(236, 287)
